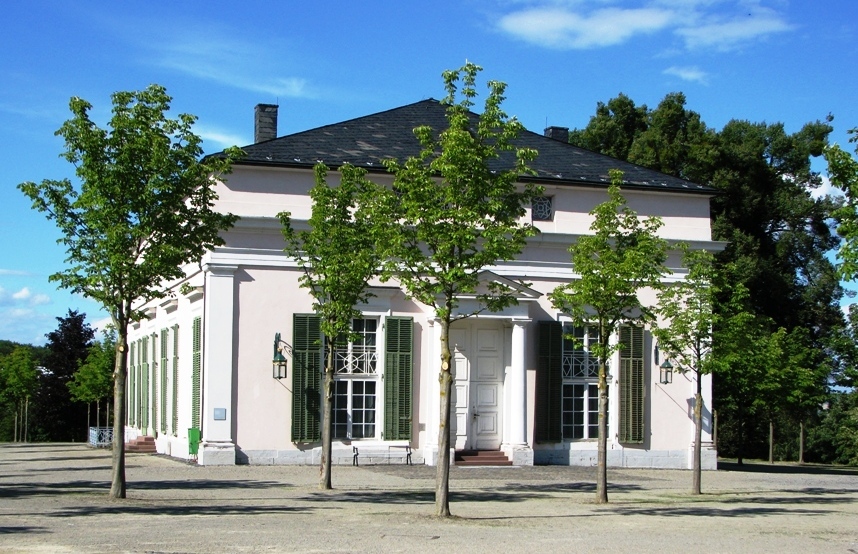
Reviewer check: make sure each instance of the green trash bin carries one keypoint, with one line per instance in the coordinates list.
(193, 441)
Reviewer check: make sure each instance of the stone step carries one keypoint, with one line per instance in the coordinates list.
(142, 445)
(481, 458)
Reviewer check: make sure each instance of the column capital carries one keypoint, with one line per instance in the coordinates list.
(221, 270)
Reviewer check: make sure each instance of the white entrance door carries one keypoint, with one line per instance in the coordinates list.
(478, 386)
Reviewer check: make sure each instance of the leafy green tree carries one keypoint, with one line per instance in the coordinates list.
(835, 439)
(143, 208)
(676, 141)
(777, 234)
(623, 256)
(19, 380)
(459, 214)
(340, 252)
(613, 129)
(843, 172)
(93, 381)
(685, 334)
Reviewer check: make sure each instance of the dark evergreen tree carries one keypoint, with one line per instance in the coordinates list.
(57, 416)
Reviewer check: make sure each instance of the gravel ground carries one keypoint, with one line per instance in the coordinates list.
(53, 498)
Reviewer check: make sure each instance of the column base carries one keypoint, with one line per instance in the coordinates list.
(214, 453)
(520, 454)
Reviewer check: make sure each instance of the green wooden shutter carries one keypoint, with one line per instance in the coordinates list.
(175, 380)
(632, 384)
(549, 381)
(196, 369)
(306, 377)
(398, 370)
(130, 390)
(144, 386)
(138, 371)
(165, 338)
(154, 377)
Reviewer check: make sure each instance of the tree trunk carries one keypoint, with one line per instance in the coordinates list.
(26, 419)
(445, 378)
(602, 470)
(327, 412)
(741, 440)
(698, 435)
(771, 441)
(120, 372)
(801, 442)
(16, 426)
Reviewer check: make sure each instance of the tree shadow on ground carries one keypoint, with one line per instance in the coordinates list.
(31, 471)
(83, 486)
(160, 509)
(707, 511)
(809, 469)
(833, 496)
(504, 494)
(569, 487)
(52, 459)
(13, 529)
(424, 496)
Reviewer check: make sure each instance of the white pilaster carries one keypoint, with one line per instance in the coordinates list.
(218, 445)
(433, 395)
(518, 385)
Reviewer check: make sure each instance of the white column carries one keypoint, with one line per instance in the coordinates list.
(433, 395)
(218, 445)
(518, 385)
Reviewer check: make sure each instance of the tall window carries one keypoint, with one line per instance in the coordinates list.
(356, 383)
(580, 398)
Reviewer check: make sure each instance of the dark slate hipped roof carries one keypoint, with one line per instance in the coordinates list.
(367, 140)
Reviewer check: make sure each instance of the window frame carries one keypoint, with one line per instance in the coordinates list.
(549, 200)
(346, 353)
(585, 378)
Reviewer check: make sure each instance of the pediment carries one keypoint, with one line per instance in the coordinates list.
(490, 280)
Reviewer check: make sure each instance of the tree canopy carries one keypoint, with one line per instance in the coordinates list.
(623, 256)
(142, 208)
(340, 252)
(776, 233)
(458, 215)
(843, 172)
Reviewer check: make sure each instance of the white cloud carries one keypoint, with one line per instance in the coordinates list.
(229, 62)
(221, 138)
(825, 189)
(690, 74)
(22, 294)
(13, 272)
(699, 24)
(727, 34)
(22, 298)
(561, 28)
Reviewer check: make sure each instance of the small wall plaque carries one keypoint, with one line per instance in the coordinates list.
(220, 414)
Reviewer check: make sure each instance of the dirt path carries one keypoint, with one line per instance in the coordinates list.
(53, 499)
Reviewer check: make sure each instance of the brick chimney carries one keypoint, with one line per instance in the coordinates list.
(557, 133)
(265, 122)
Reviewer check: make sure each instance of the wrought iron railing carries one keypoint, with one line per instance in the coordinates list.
(356, 361)
(100, 437)
(580, 363)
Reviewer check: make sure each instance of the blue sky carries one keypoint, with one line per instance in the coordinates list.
(328, 61)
